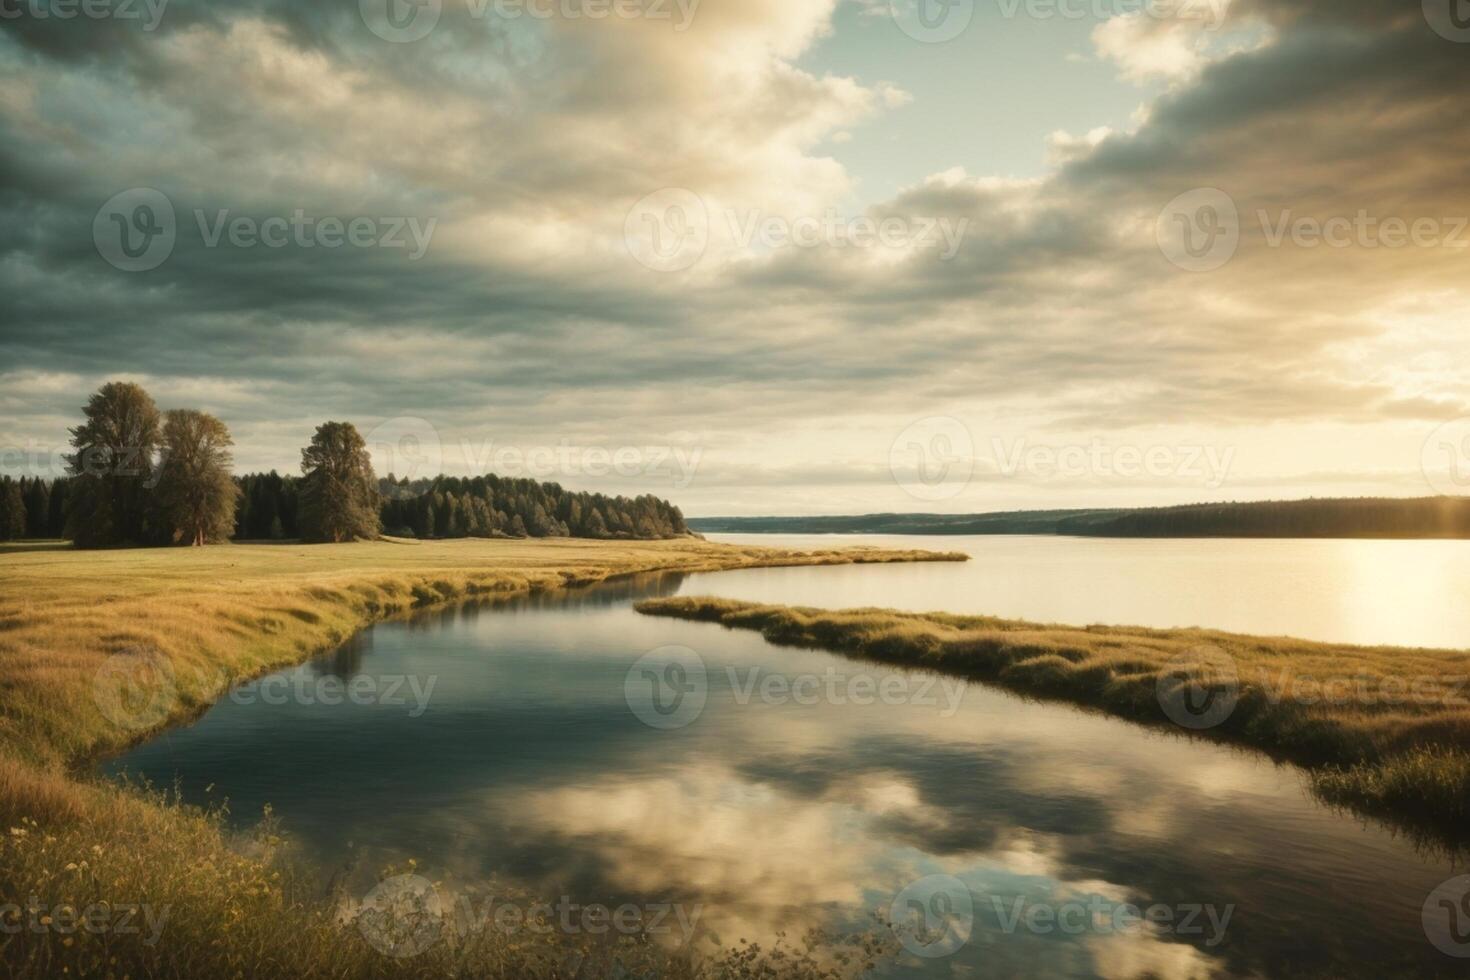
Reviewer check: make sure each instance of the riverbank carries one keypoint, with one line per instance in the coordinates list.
(100, 649)
(1383, 730)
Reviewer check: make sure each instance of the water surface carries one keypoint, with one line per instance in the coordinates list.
(515, 752)
(1401, 593)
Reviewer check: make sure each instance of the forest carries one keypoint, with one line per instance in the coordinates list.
(479, 507)
(138, 476)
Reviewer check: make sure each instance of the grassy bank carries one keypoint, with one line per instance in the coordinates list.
(99, 649)
(1383, 730)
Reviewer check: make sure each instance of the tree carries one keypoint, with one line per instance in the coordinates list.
(37, 497)
(339, 493)
(56, 516)
(196, 494)
(12, 510)
(113, 464)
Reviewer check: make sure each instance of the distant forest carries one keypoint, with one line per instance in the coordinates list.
(138, 476)
(1362, 517)
(480, 507)
(446, 507)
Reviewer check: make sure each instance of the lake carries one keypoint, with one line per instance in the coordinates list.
(569, 748)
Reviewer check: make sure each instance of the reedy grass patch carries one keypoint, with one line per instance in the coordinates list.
(1382, 730)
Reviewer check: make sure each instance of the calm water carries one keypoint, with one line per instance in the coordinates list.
(1404, 593)
(513, 746)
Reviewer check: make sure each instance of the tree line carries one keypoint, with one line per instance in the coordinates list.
(137, 476)
(1361, 517)
(478, 507)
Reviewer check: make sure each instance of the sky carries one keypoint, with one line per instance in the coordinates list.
(757, 256)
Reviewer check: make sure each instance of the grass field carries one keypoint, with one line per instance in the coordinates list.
(98, 649)
(1382, 730)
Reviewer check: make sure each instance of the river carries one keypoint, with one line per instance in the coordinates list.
(529, 741)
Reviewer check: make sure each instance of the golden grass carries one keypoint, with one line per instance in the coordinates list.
(194, 621)
(221, 614)
(1382, 729)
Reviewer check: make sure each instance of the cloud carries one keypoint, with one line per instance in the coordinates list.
(527, 143)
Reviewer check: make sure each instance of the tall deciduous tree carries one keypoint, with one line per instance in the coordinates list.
(196, 494)
(113, 462)
(339, 493)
